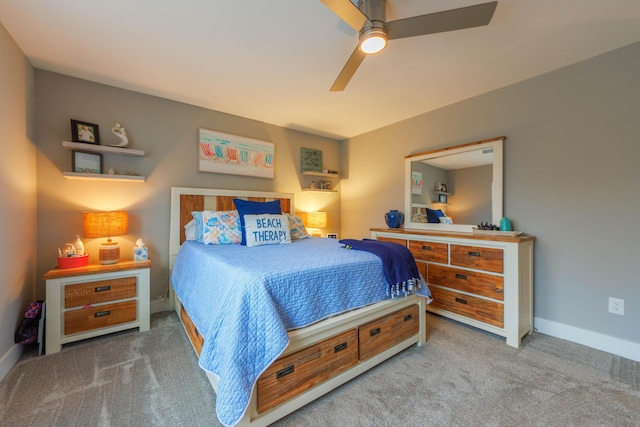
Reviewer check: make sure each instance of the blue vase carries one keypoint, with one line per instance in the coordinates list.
(393, 218)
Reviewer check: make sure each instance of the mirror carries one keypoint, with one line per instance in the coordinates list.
(464, 181)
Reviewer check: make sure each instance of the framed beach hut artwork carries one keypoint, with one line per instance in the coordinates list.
(233, 154)
(416, 182)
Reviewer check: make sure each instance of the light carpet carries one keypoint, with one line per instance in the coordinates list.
(461, 377)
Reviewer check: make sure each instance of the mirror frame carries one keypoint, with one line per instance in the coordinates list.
(496, 188)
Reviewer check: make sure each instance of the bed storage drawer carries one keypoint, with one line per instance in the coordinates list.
(299, 371)
(379, 335)
(429, 251)
(192, 332)
(486, 285)
(465, 305)
(99, 291)
(86, 319)
(480, 258)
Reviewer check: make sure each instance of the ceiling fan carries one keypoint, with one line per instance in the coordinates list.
(369, 19)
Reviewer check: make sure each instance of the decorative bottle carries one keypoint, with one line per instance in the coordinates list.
(79, 246)
(393, 218)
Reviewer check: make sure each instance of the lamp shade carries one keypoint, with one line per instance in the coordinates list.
(105, 224)
(317, 220)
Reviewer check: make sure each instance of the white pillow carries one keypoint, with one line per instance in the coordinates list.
(190, 230)
(267, 229)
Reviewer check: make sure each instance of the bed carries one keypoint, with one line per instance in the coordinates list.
(273, 331)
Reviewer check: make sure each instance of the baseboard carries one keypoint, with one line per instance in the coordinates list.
(10, 358)
(617, 346)
(159, 305)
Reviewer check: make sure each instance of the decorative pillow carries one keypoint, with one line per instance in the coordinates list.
(190, 230)
(267, 229)
(248, 207)
(298, 230)
(446, 220)
(221, 228)
(197, 218)
(433, 215)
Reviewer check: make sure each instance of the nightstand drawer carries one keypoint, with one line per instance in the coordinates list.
(86, 319)
(487, 285)
(429, 251)
(477, 257)
(292, 374)
(379, 335)
(465, 305)
(99, 291)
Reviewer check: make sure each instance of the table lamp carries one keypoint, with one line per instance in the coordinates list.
(316, 220)
(106, 224)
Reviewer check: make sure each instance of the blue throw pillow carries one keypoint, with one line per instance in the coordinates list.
(433, 215)
(248, 207)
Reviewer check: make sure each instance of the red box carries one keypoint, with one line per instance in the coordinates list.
(72, 262)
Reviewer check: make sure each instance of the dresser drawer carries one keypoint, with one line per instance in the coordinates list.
(86, 319)
(477, 257)
(487, 285)
(99, 291)
(402, 242)
(429, 251)
(299, 371)
(379, 335)
(475, 308)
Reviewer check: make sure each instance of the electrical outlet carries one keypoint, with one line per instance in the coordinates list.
(616, 306)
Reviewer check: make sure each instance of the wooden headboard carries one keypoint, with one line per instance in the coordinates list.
(186, 200)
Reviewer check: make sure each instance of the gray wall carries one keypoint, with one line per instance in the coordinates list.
(168, 132)
(18, 195)
(571, 179)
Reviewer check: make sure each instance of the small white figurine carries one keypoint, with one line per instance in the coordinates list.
(120, 133)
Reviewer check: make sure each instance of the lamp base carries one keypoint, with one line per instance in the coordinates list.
(109, 253)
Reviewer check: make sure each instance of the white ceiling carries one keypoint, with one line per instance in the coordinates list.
(275, 60)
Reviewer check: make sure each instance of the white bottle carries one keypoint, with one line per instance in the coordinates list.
(79, 246)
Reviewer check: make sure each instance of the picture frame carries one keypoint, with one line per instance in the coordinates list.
(416, 182)
(443, 188)
(86, 162)
(442, 198)
(85, 132)
(325, 185)
(310, 160)
(332, 235)
(236, 155)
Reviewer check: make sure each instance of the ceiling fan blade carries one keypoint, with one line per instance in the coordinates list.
(348, 12)
(448, 20)
(348, 70)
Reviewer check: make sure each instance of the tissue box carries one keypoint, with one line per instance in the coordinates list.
(140, 254)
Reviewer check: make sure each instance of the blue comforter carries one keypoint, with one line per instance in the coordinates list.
(244, 299)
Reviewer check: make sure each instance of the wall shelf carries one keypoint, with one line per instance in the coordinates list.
(323, 174)
(102, 177)
(319, 190)
(105, 149)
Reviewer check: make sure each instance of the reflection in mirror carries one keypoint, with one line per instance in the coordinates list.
(462, 184)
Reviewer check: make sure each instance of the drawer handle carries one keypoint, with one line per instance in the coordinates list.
(284, 372)
(461, 301)
(408, 317)
(426, 248)
(102, 313)
(474, 253)
(102, 288)
(498, 290)
(374, 332)
(461, 276)
(340, 347)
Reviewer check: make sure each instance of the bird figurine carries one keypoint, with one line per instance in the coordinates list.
(120, 133)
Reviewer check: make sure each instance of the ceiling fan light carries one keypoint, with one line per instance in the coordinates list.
(373, 40)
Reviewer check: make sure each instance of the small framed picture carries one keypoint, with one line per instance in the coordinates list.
(443, 187)
(325, 185)
(442, 198)
(85, 162)
(84, 132)
(332, 236)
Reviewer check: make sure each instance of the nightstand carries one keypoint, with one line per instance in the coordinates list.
(94, 300)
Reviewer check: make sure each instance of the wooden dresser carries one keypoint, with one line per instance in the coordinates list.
(483, 281)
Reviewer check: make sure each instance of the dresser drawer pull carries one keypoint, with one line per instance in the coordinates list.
(284, 372)
(426, 248)
(461, 276)
(408, 317)
(474, 253)
(102, 313)
(461, 301)
(102, 288)
(374, 332)
(340, 347)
